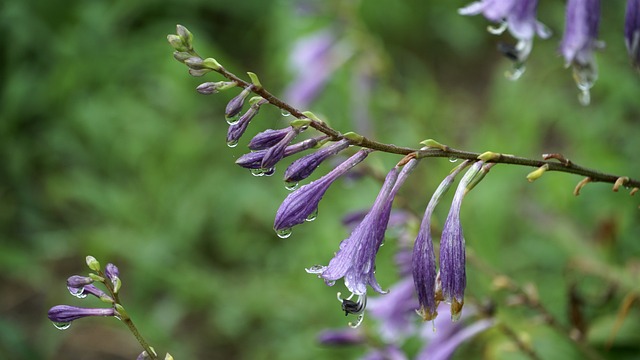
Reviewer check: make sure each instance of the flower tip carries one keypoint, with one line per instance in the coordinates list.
(456, 309)
(427, 314)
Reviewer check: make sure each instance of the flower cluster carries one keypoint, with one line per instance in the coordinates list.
(82, 286)
(578, 44)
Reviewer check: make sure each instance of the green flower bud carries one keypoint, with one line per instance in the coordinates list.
(92, 263)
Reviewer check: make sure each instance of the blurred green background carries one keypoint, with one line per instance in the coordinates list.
(106, 149)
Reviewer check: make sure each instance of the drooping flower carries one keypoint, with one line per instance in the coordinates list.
(424, 260)
(303, 203)
(632, 31)
(519, 17)
(303, 167)
(579, 42)
(65, 314)
(113, 274)
(355, 260)
(77, 283)
(452, 248)
(234, 106)
(237, 129)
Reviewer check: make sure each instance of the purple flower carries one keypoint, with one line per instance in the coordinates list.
(234, 106)
(302, 203)
(267, 138)
(424, 259)
(355, 260)
(632, 31)
(395, 311)
(237, 129)
(113, 274)
(519, 16)
(303, 167)
(65, 314)
(253, 160)
(452, 251)
(91, 289)
(77, 283)
(580, 40)
(276, 152)
(341, 337)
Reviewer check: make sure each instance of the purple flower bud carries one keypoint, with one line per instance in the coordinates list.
(112, 273)
(237, 129)
(632, 31)
(580, 40)
(253, 160)
(91, 289)
(276, 152)
(66, 314)
(234, 106)
(268, 138)
(303, 167)
(424, 259)
(302, 203)
(77, 283)
(341, 337)
(355, 260)
(452, 250)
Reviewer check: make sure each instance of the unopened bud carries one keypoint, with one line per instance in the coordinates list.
(185, 35)
(536, 174)
(181, 55)
(92, 263)
(176, 42)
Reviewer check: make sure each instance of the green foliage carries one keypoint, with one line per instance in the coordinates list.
(107, 150)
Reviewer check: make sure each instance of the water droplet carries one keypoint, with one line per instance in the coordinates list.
(77, 292)
(257, 172)
(312, 216)
(497, 30)
(283, 233)
(516, 72)
(232, 119)
(61, 325)
(232, 143)
(285, 113)
(304, 127)
(291, 185)
(269, 172)
(315, 269)
(584, 97)
(453, 159)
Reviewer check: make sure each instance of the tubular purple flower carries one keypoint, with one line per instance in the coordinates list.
(519, 17)
(303, 167)
(355, 260)
(253, 160)
(276, 152)
(113, 274)
(341, 337)
(632, 31)
(237, 129)
(302, 203)
(67, 314)
(267, 138)
(423, 263)
(234, 106)
(452, 251)
(579, 41)
(78, 282)
(91, 289)
(395, 311)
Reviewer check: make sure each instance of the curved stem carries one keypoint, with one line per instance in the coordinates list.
(563, 165)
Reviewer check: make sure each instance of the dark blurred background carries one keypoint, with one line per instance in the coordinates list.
(107, 149)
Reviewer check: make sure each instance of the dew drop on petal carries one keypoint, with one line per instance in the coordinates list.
(315, 269)
(269, 172)
(257, 172)
(232, 143)
(283, 233)
(312, 216)
(77, 292)
(497, 30)
(232, 119)
(61, 325)
(291, 185)
(357, 323)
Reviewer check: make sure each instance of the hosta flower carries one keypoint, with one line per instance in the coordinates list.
(355, 260)
(579, 42)
(632, 31)
(276, 152)
(66, 314)
(303, 203)
(267, 138)
(253, 160)
(303, 167)
(395, 311)
(519, 17)
(237, 129)
(452, 249)
(424, 259)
